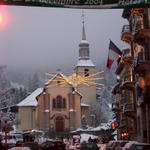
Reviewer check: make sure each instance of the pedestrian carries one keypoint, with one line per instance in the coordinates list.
(2, 147)
(20, 146)
(90, 139)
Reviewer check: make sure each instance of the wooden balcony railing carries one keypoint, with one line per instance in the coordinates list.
(128, 107)
(126, 34)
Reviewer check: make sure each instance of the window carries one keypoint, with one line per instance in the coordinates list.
(54, 103)
(86, 72)
(64, 103)
(59, 102)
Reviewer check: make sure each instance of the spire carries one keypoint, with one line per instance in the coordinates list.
(83, 29)
(84, 52)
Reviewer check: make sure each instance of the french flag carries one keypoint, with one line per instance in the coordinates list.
(113, 55)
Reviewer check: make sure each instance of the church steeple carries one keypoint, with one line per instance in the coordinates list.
(84, 54)
(83, 28)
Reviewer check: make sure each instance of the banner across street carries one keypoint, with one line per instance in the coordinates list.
(81, 4)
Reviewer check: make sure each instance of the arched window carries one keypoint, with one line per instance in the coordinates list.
(59, 102)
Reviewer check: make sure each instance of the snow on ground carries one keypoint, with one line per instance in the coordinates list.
(103, 126)
(85, 137)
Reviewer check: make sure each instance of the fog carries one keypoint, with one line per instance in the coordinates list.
(46, 39)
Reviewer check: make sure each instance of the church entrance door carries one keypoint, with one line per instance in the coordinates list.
(59, 124)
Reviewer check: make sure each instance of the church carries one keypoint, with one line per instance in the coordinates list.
(61, 108)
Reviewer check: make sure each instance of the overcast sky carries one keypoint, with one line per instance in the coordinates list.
(48, 38)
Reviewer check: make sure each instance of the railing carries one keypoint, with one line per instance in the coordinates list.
(128, 107)
(115, 106)
(123, 122)
(126, 28)
(138, 26)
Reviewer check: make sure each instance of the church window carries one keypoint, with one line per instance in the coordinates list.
(59, 102)
(54, 103)
(64, 103)
(86, 72)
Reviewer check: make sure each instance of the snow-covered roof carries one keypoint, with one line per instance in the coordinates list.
(103, 126)
(84, 42)
(83, 63)
(84, 105)
(31, 99)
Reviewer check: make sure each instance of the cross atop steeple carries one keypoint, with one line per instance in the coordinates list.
(83, 28)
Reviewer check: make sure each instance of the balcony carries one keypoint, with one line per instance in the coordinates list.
(138, 11)
(128, 85)
(126, 34)
(123, 123)
(129, 109)
(140, 32)
(147, 95)
(122, 116)
(115, 107)
(116, 89)
(120, 67)
(142, 67)
(141, 35)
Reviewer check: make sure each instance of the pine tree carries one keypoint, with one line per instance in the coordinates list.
(34, 82)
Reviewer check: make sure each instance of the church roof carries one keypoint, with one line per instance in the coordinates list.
(83, 42)
(87, 63)
(55, 77)
(31, 99)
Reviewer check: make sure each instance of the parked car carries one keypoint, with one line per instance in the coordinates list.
(109, 144)
(136, 146)
(128, 145)
(117, 145)
(89, 146)
(120, 145)
(77, 145)
(53, 145)
(32, 145)
(101, 146)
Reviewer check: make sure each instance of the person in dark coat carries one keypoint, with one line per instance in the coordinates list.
(2, 147)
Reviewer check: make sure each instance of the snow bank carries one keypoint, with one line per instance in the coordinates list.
(85, 137)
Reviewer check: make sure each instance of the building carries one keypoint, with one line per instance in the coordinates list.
(61, 108)
(134, 72)
(27, 112)
(85, 67)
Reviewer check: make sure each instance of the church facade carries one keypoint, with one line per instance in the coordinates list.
(59, 108)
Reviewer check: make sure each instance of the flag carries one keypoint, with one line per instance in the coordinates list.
(113, 55)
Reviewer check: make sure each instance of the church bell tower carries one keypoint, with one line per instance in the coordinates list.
(85, 67)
